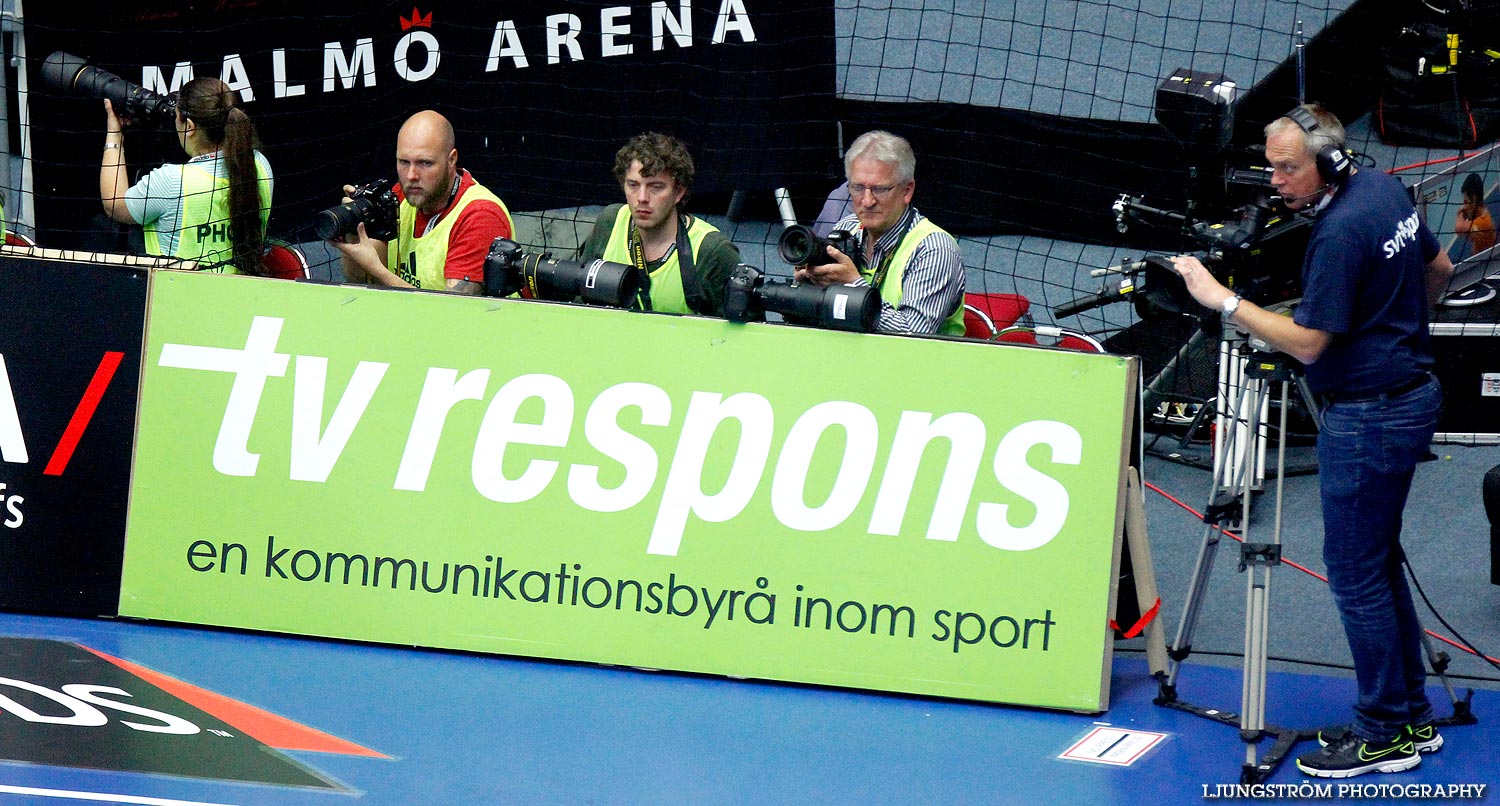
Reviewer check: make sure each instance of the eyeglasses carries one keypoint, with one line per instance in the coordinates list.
(880, 191)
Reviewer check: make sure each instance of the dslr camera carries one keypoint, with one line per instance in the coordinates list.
(748, 295)
(373, 204)
(508, 269)
(800, 246)
(66, 74)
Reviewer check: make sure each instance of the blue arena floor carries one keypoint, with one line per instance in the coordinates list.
(405, 726)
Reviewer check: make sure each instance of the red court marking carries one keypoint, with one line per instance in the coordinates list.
(264, 726)
(83, 414)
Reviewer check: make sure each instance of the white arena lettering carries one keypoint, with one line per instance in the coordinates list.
(417, 55)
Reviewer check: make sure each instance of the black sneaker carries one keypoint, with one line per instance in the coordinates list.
(1425, 737)
(1328, 736)
(1348, 755)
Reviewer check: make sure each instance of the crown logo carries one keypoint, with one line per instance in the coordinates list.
(417, 20)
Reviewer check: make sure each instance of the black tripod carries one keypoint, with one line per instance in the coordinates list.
(1238, 470)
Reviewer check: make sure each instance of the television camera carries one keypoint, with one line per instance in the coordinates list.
(1257, 253)
(1256, 249)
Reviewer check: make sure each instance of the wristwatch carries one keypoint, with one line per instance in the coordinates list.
(1231, 305)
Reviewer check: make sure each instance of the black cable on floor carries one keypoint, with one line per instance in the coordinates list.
(1439, 616)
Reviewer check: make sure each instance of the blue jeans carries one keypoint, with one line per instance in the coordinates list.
(1367, 454)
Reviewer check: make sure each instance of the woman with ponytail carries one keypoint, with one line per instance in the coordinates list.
(213, 209)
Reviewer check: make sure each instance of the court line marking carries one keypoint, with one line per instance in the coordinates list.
(103, 797)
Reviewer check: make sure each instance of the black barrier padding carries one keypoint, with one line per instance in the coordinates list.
(755, 114)
(62, 532)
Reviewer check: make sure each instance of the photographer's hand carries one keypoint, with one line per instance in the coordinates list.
(364, 259)
(112, 179)
(113, 126)
(841, 271)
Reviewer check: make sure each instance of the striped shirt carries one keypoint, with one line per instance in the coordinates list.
(932, 286)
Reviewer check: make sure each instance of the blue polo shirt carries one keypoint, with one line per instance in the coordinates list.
(1364, 282)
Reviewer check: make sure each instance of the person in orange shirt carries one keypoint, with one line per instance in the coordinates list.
(1474, 218)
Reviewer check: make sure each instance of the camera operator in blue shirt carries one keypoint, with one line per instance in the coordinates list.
(1372, 272)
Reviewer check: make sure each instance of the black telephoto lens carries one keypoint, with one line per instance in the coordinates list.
(373, 204)
(596, 282)
(834, 307)
(66, 74)
(59, 72)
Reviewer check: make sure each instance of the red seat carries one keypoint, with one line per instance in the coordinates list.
(985, 315)
(1049, 336)
(284, 261)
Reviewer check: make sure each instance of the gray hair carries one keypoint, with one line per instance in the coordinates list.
(882, 146)
(1329, 132)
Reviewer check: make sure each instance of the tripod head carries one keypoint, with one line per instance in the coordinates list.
(1269, 365)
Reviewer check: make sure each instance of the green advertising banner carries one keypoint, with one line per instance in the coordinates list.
(912, 515)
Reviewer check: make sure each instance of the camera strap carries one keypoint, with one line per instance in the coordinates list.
(692, 291)
(638, 257)
(452, 198)
(885, 263)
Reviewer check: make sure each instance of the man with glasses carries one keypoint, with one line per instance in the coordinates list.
(912, 262)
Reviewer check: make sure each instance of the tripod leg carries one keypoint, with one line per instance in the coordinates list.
(1229, 386)
(1240, 426)
(1232, 487)
(1257, 629)
(1224, 500)
(1257, 561)
(1438, 662)
(1182, 645)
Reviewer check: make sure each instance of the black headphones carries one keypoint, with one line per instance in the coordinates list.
(1332, 161)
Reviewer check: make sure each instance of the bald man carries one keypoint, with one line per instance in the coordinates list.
(446, 222)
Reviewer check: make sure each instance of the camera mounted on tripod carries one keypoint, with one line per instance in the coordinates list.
(1257, 252)
(1248, 241)
(1255, 248)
